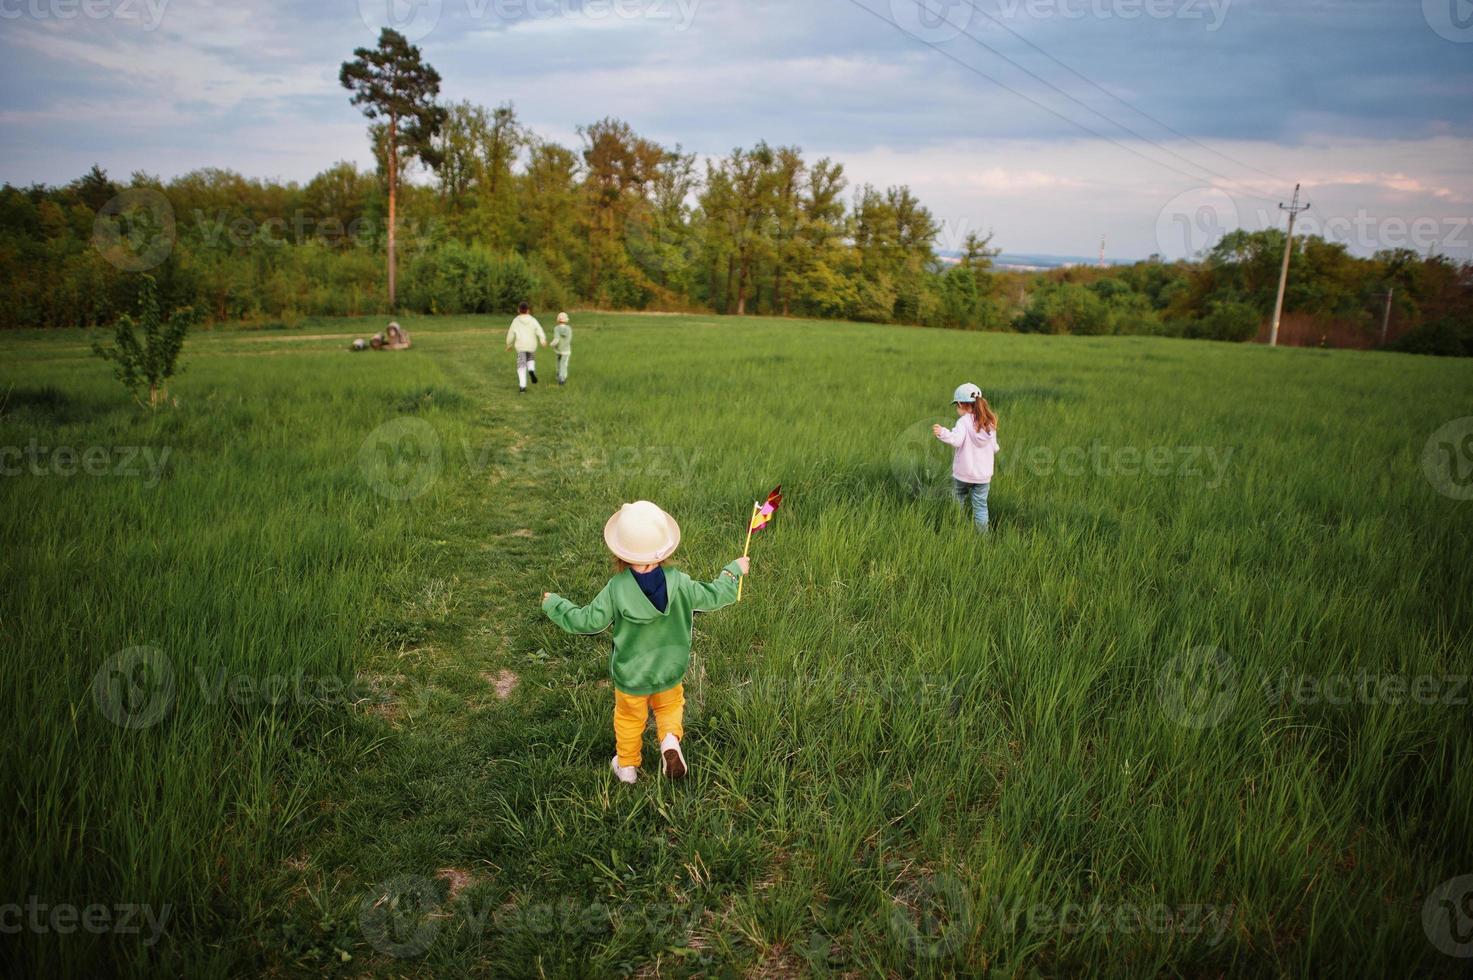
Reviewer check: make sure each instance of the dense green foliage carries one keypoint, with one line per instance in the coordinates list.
(1229, 294)
(625, 223)
(913, 750)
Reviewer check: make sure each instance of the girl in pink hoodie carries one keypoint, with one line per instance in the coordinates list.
(974, 437)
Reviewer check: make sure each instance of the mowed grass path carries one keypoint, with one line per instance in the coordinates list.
(1128, 733)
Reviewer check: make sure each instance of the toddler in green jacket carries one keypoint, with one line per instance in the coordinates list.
(651, 609)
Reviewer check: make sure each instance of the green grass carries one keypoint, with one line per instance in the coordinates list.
(1075, 746)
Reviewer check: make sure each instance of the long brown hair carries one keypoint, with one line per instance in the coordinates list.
(982, 414)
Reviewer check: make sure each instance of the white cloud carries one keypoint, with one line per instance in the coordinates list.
(252, 86)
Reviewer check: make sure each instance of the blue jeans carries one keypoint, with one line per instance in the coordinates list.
(976, 494)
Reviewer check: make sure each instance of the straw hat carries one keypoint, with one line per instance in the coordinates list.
(641, 533)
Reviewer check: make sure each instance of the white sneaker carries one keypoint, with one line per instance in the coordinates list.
(626, 774)
(672, 760)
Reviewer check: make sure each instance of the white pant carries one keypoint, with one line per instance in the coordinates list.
(526, 361)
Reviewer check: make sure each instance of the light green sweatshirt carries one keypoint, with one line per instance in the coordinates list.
(651, 648)
(524, 334)
(562, 339)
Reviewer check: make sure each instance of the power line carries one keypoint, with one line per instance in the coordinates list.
(1089, 108)
(1129, 105)
(1028, 98)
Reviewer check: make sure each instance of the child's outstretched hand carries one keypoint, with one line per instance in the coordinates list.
(744, 563)
(936, 430)
(545, 595)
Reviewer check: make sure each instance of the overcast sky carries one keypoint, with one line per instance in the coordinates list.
(1368, 102)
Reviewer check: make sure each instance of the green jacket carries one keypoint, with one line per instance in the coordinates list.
(562, 339)
(651, 648)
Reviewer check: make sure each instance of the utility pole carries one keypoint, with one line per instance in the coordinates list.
(1386, 317)
(1293, 209)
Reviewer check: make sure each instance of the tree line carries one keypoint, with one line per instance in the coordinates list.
(474, 212)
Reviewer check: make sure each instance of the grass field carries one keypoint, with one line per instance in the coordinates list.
(278, 692)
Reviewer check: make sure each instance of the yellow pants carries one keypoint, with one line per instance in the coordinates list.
(632, 711)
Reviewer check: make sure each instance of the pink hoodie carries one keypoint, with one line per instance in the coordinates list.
(974, 451)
